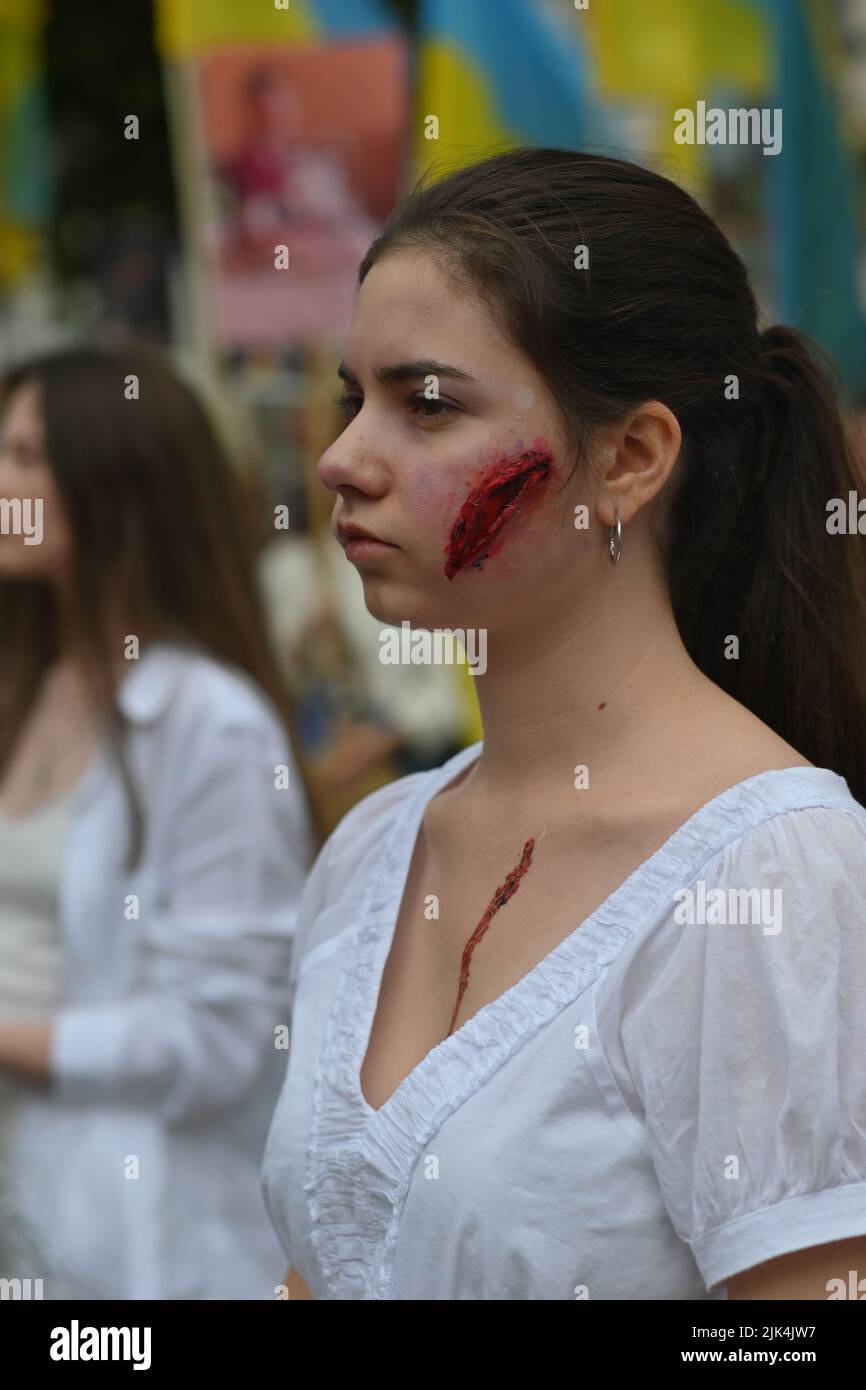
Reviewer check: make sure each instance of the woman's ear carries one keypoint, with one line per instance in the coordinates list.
(637, 455)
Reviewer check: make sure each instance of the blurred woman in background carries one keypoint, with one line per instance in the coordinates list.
(155, 833)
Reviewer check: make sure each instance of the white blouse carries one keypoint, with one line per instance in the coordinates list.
(31, 855)
(134, 1174)
(656, 1106)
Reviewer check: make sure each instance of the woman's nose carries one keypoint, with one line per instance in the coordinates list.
(353, 462)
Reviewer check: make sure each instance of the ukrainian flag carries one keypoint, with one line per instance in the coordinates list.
(495, 75)
(815, 233)
(679, 48)
(775, 53)
(673, 52)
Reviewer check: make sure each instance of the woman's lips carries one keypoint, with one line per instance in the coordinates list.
(496, 498)
(364, 547)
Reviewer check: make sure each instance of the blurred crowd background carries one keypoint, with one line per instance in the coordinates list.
(154, 154)
(189, 185)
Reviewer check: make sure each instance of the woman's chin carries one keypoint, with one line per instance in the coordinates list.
(384, 603)
(419, 604)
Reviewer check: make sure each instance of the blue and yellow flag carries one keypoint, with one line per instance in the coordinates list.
(673, 52)
(493, 76)
(813, 218)
(770, 53)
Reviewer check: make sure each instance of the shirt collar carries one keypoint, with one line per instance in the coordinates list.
(144, 692)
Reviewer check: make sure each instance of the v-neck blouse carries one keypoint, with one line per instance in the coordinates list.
(654, 1107)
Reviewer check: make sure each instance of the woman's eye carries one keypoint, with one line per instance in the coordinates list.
(421, 405)
(432, 409)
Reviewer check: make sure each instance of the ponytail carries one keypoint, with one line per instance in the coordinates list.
(790, 591)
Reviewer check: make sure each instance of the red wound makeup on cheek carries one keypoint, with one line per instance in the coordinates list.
(505, 489)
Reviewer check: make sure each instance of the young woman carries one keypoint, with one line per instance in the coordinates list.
(580, 1013)
(154, 838)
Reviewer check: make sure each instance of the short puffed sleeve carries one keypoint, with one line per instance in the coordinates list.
(743, 1035)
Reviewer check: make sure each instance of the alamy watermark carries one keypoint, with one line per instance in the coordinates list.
(738, 126)
(442, 646)
(847, 520)
(729, 907)
(87, 1343)
(23, 1289)
(17, 518)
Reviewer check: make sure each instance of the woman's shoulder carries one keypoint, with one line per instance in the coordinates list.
(187, 685)
(750, 963)
(792, 875)
(793, 835)
(773, 867)
(786, 812)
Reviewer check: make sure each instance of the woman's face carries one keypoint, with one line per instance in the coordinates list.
(467, 488)
(35, 537)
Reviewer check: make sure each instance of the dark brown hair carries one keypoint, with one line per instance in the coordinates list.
(161, 523)
(665, 312)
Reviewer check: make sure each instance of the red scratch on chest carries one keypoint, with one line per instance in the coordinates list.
(505, 891)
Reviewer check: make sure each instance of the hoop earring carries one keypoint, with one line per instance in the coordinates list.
(615, 541)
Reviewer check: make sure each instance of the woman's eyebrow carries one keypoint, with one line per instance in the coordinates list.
(406, 371)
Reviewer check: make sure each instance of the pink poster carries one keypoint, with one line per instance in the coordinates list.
(303, 152)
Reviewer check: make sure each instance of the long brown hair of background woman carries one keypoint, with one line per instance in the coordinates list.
(163, 525)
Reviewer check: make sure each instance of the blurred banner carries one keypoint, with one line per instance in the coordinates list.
(26, 170)
(186, 27)
(303, 151)
(289, 126)
(497, 75)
